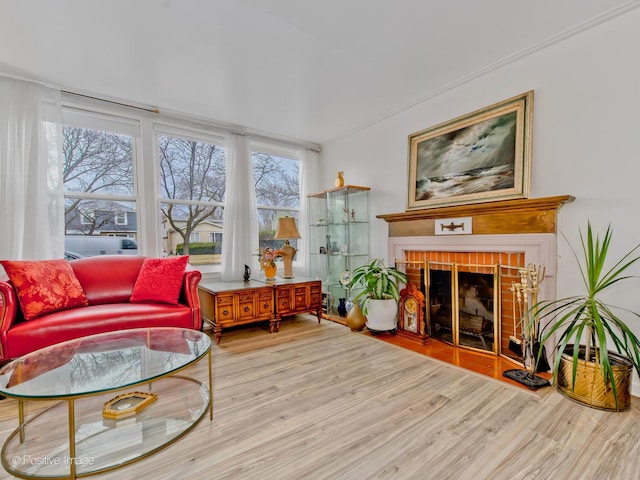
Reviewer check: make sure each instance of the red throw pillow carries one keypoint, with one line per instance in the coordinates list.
(45, 286)
(160, 280)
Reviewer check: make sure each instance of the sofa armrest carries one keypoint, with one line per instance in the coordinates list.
(9, 309)
(190, 294)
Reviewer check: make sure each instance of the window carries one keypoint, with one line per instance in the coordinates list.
(121, 218)
(277, 184)
(192, 189)
(98, 172)
(128, 244)
(110, 176)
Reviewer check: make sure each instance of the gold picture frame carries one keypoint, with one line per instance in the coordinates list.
(479, 157)
(127, 405)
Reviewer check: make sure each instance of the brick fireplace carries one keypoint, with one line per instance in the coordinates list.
(505, 235)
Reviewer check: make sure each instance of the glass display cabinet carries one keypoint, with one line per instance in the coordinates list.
(338, 243)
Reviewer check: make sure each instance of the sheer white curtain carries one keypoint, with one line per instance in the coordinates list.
(31, 185)
(310, 183)
(240, 212)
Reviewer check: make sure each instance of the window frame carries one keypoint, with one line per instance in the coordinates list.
(195, 135)
(149, 121)
(257, 147)
(97, 120)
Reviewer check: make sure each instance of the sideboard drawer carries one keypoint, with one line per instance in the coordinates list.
(245, 311)
(224, 299)
(300, 298)
(315, 292)
(246, 297)
(224, 308)
(283, 300)
(265, 303)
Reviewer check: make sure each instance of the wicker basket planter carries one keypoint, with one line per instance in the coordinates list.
(591, 388)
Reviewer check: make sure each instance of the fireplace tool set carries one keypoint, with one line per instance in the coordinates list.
(525, 296)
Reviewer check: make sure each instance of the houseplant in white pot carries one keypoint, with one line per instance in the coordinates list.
(590, 373)
(379, 295)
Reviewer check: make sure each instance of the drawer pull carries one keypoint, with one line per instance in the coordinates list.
(246, 308)
(265, 305)
(225, 312)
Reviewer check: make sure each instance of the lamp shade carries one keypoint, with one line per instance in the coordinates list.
(287, 228)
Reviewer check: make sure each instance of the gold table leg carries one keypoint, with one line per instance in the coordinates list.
(21, 419)
(210, 387)
(72, 440)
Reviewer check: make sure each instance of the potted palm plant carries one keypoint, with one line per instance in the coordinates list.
(379, 295)
(590, 373)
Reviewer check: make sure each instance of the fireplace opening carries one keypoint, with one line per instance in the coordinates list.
(440, 314)
(463, 305)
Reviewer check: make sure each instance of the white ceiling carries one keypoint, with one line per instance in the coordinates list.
(307, 70)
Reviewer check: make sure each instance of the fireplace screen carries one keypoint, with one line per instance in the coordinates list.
(464, 304)
(440, 301)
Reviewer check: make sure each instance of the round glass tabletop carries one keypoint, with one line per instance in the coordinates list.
(99, 363)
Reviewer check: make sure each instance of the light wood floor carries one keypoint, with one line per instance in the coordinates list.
(320, 402)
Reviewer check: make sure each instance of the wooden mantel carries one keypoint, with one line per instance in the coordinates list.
(531, 215)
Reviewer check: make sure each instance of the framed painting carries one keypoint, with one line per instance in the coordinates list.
(479, 157)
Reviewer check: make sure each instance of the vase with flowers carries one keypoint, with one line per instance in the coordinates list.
(267, 258)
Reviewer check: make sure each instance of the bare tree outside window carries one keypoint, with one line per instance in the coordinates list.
(277, 185)
(98, 164)
(192, 172)
(192, 182)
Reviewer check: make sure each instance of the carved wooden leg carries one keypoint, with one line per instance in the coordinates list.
(217, 333)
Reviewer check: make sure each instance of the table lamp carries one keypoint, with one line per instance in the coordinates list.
(287, 229)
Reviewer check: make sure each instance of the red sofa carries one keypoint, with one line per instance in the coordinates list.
(108, 282)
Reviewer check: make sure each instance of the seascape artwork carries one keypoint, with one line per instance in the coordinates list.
(471, 160)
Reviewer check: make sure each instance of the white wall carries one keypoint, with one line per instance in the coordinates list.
(585, 141)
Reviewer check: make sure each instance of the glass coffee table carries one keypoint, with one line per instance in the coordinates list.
(115, 398)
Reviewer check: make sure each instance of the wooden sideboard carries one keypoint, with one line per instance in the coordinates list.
(297, 295)
(227, 304)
